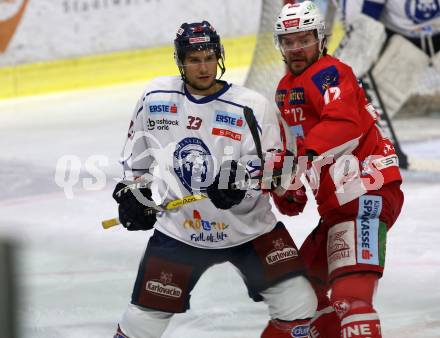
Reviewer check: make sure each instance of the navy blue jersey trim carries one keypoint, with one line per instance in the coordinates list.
(164, 91)
(208, 98)
(232, 103)
(372, 9)
(204, 99)
(139, 110)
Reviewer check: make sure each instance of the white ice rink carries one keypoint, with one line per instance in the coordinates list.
(75, 278)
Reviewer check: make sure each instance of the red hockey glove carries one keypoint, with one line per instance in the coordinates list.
(292, 203)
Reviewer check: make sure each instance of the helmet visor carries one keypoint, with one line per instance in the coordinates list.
(296, 42)
(194, 55)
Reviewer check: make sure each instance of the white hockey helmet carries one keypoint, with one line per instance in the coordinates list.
(300, 17)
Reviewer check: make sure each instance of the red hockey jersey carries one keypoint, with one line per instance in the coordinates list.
(328, 113)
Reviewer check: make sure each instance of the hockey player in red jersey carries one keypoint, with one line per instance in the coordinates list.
(352, 169)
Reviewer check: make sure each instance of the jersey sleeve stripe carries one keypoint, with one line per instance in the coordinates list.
(373, 9)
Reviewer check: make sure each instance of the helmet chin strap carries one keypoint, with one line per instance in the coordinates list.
(322, 46)
(220, 63)
(182, 73)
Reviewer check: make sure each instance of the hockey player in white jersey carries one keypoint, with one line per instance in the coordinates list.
(193, 135)
(399, 39)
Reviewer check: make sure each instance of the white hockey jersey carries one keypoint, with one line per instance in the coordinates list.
(407, 17)
(181, 140)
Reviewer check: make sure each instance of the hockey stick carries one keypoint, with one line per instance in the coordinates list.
(373, 95)
(253, 127)
(179, 202)
(276, 173)
(173, 204)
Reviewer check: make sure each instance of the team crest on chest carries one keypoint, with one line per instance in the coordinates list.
(420, 11)
(193, 164)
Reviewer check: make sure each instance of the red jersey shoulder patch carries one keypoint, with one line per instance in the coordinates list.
(326, 78)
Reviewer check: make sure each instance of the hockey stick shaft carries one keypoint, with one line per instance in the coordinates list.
(179, 202)
(173, 204)
(374, 95)
(108, 223)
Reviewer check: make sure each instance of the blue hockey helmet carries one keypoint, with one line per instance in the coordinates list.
(194, 37)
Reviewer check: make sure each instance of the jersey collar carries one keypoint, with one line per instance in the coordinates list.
(209, 98)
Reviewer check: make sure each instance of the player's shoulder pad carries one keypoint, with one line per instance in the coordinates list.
(247, 97)
(164, 83)
(328, 73)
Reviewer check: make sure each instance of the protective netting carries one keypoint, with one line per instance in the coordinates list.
(267, 66)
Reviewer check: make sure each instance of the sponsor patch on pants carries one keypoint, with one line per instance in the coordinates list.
(277, 253)
(164, 285)
(341, 246)
(300, 331)
(369, 231)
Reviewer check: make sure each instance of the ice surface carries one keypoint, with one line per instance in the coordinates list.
(76, 279)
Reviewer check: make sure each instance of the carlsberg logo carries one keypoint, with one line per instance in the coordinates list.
(281, 255)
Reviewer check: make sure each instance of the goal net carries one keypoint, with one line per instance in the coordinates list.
(267, 67)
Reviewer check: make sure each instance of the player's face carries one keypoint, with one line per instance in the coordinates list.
(200, 69)
(300, 50)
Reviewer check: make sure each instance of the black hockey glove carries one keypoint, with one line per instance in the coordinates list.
(133, 214)
(279, 161)
(223, 194)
